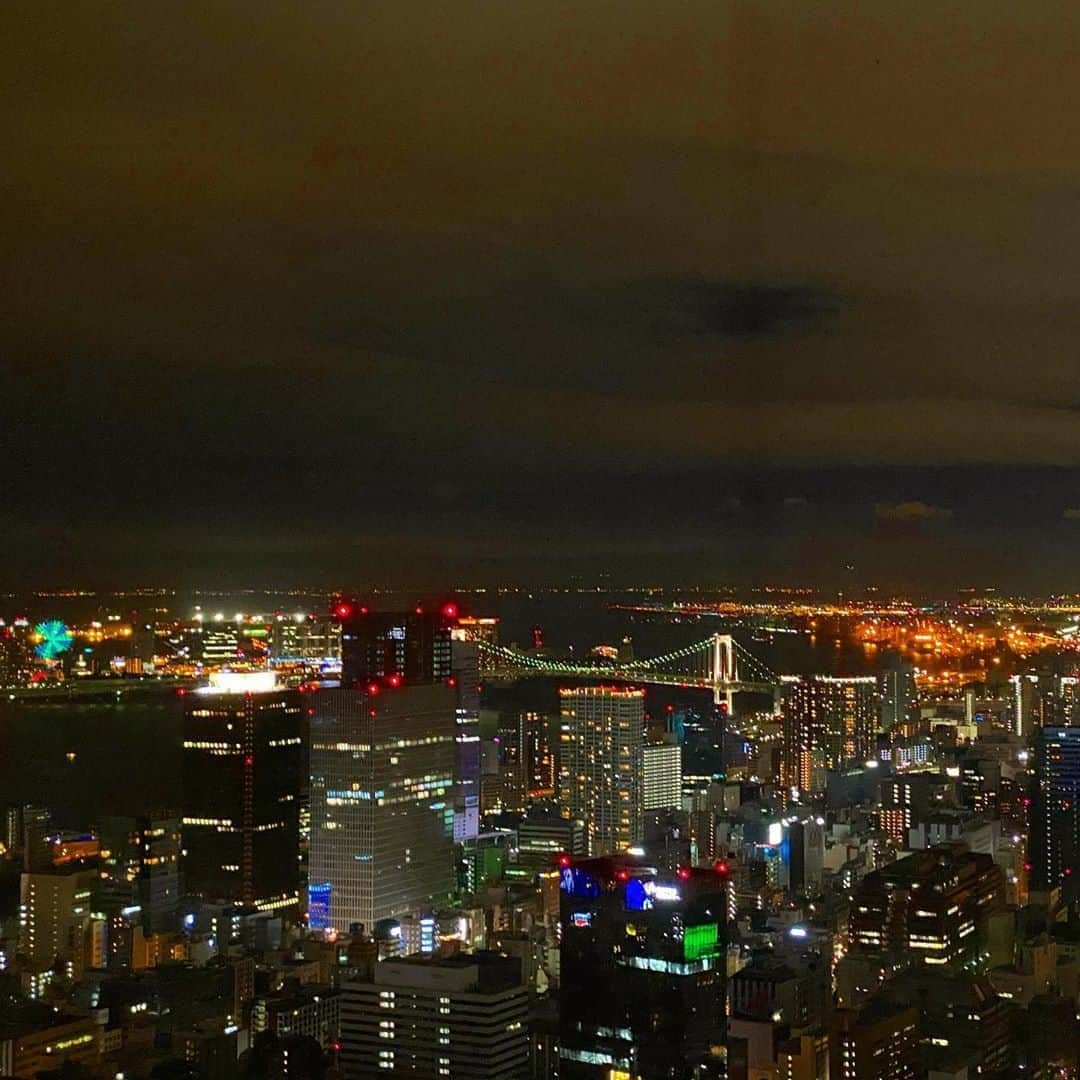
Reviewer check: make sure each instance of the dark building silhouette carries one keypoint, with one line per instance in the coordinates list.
(242, 766)
(642, 970)
(1054, 839)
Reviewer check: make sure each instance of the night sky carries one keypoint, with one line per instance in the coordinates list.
(417, 293)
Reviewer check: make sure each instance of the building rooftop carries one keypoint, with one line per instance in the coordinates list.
(482, 972)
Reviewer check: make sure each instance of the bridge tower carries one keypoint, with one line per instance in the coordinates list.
(724, 670)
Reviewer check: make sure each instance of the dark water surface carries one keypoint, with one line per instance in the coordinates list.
(127, 756)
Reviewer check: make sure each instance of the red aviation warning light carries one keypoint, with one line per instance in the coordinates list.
(450, 611)
(343, 611)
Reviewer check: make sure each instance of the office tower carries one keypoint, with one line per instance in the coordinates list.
(465, 668)
(36, 845)
(410, 646)
(1025, 693)
(305, 639)
(54, 912)
(642, 961)
(382, 790)
(881, 1040)
(602, 734)
(1054, 833)
(828, 719)
(542, 836)
(1064, 697)
(661, 775)
(525, 765)
(242, 764)
(930, 907)
(461, 1016)
(804, 853)
(527, 760)
(140, 865)
(538, 759)
(898, 693)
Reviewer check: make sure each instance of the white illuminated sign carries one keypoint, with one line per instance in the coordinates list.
(241, 682)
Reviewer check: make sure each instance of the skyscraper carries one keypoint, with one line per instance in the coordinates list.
(432, 643)
(661, 775)
(1054, 838)
(829, 723)
(642, 970)
(602, 735)
(382, 801)
(898, 694)
(465, 665)
(406, 646)
(526, 761)
(242, 781)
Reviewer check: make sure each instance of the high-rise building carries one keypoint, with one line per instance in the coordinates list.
(36, 845)
(525, 767)
(410, 646)
(242, 780)
(1054, 834)
(827, 719)
(661, 775)
(12, 837)
(16, 654)
(1025, 703)
(461, 1016)
(1063, 700)
(931, 907)
(898, 692)
(602, 735)
(465, 666)
(140, 865)
(54, 913)
(804, 855)
(641, 970)
(539, 766)
(305, 639)
(382, 792)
